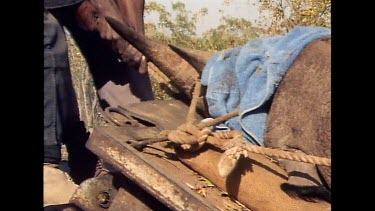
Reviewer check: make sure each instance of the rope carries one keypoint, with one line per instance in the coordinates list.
(193, 137)
(218, 120)
(235, 147)
(236, 140)
(193, 105)
(277, 153)
(188, 136)
(295, 156)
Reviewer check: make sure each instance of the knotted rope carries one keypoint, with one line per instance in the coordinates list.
(193, 137)
(188, 136)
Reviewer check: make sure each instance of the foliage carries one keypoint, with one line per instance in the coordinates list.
(180, 27)
(286, 14)
(278, 17)
(232, 32)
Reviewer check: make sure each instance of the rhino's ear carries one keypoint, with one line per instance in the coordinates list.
(196, 58)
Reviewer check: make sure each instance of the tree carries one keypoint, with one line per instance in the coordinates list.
(233, 32)
(286, 14)
(280, 16)
(180, 27)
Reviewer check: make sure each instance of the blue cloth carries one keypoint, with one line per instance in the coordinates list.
(247, 77)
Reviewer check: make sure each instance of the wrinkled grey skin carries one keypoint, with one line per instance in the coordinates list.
(300, 120)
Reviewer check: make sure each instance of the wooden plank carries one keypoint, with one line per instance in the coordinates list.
(255, 182)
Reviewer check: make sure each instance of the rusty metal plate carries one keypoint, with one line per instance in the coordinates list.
(145, 173)
(131, 197)
(126, 201)
(130, 201)
(112, 192)
(157, 171)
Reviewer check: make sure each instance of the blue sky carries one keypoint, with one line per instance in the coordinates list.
(247, 9)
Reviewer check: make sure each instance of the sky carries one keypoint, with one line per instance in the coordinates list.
(247, 9)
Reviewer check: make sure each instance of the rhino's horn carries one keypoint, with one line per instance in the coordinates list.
(181, 73)
(198, 59)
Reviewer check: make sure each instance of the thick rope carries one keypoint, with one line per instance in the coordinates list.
(191, 137)
(193, 105)
(289, 155)
(237, 141)
(188, 136)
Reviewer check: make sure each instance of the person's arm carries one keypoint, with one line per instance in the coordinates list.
(91, 16)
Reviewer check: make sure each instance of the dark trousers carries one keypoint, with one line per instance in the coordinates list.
(61, 114)
(117, 84)
(62, 124)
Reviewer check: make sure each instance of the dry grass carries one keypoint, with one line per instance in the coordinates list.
(90, 111)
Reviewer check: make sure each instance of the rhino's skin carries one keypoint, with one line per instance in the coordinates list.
(300, 119)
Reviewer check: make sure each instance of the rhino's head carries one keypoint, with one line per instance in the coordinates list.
(91, 16)
(183, 66)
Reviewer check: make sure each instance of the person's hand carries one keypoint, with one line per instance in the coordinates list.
(131, 56)
(90, 16)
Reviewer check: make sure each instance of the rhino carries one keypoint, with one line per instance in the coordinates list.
(300, 120)
(299, 116)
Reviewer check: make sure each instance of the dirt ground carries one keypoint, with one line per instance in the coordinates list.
(58, 187)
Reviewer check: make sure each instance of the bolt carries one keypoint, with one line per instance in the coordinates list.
(104, 199)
